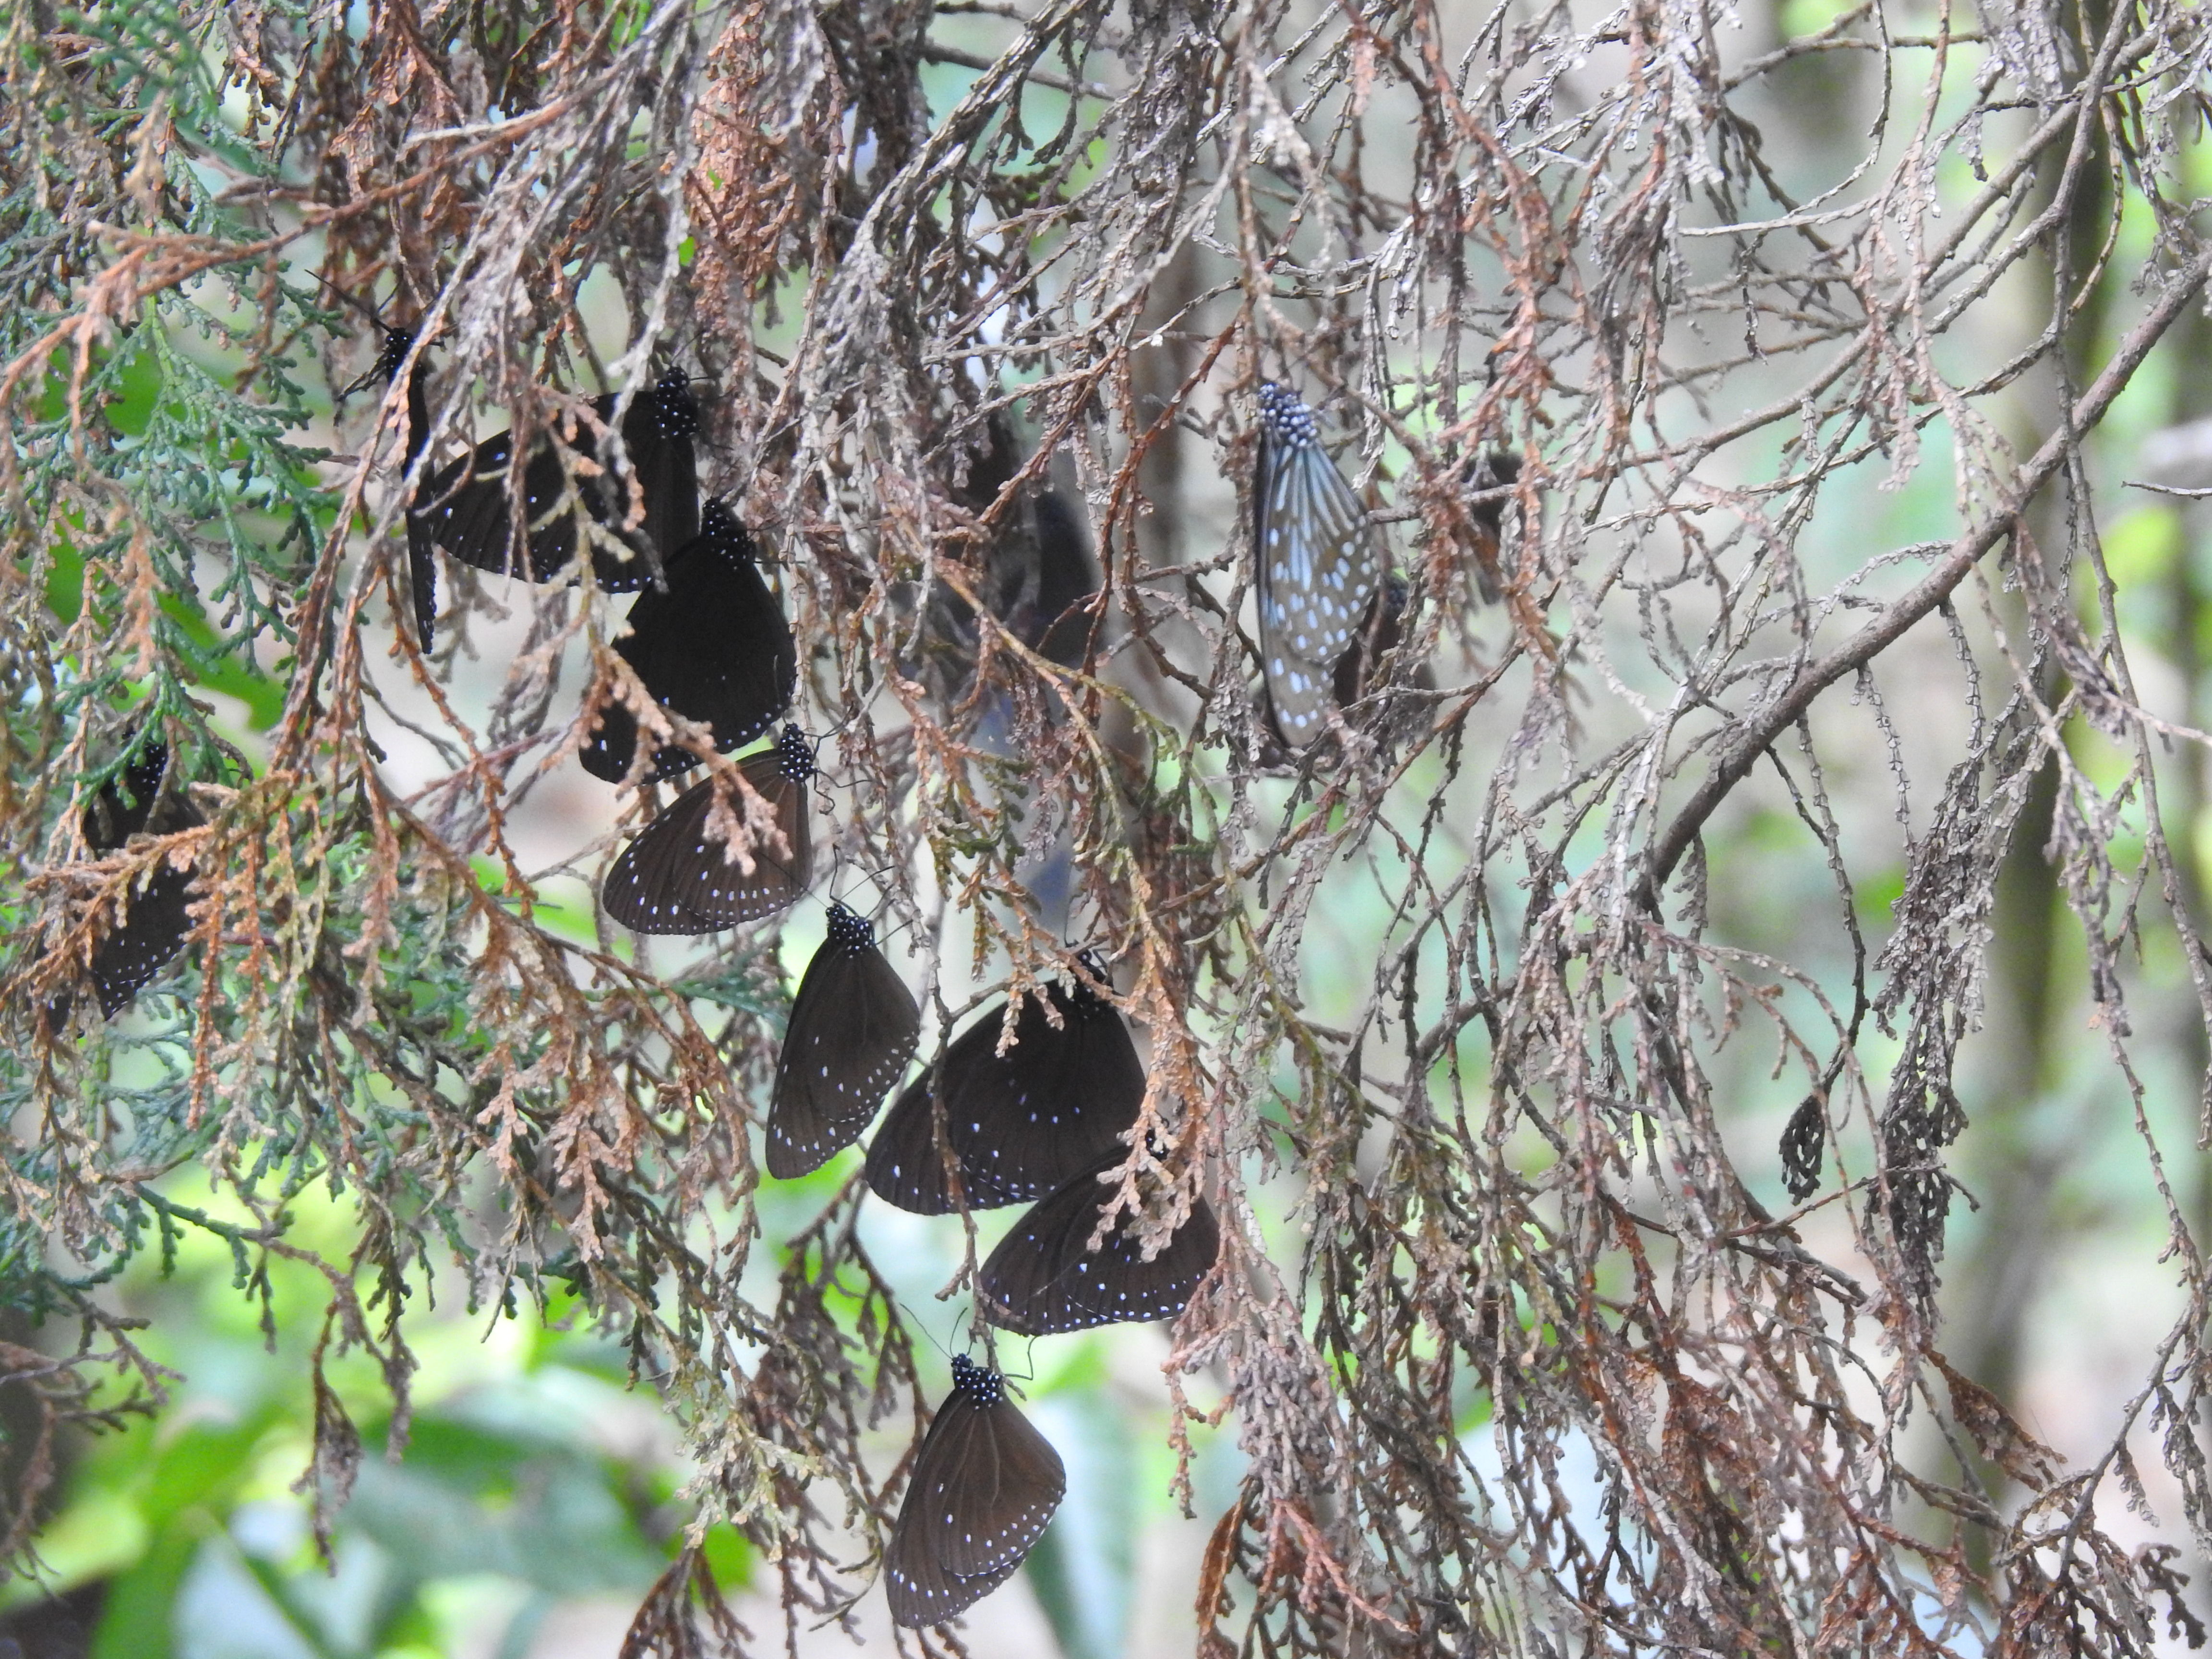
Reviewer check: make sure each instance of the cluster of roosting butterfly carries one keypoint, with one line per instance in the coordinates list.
(1037, 1104)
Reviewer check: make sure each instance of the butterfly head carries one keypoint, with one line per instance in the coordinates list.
(127, 801)
(675, 410)
(719, 525)
(1286, 416)
(144, 774)
(984, 1386)
(849, 931)
(398, 343)
(794, 755)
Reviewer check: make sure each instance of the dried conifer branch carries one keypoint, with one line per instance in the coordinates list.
(1546, 1372)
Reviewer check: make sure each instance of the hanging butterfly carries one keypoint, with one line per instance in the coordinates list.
(985, 1483)
(676, 876)
(1059, 622)
(466, 507)
(155, 918)
(1378, 635)
(421, 562)
(1320, 565)
(1044, 1278)
(1488, 471)
(1018, 1124)
(715, 648)
(853, 1028)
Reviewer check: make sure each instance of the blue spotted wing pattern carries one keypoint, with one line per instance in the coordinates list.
(156, 916)
(466, 507)
(1016, 1124)
(853, 1028)
(677, 875)
(1320, 565)
(985, 1484)
(1044, 1278)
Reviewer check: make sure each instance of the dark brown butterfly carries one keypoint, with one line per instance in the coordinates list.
(1492, 470)
(678, 876)
(466, 507)
(985, 1483)
(1059, 623)
(1043, 1278)
(1319, 565)
(715, 648)
(421, 562)
(1378, 635)
(853, 1028)
(1018, 1124)
(155, 918)
(1038, 575)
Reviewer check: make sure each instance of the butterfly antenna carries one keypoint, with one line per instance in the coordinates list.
(915, 1322)
(366, 307)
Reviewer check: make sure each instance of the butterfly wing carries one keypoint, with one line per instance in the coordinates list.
(715, 648)
(853, 1028)
(1023, 1121)
(151, 931)
(1043, 1279)
(114, 814)
(465, 503)
(1492, 469)
(985, 1484)
(657, 434)
(990, 1508)
(1067, 580)
(463, 506)
(155, 920)
(922, 1593)
(1319, 566)
(423, 580)
(1020, 1124)
(677, 877)
(905, 1168)
(422, 561)
(1379, 634)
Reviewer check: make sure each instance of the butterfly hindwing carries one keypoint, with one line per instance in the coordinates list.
(1043, 1278)
(1018, 1124)
(676, 876)
(715, 648)
(1318, 560)
(853, 1028)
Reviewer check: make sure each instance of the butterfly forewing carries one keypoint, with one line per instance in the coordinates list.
(1043, 1278)
(1067, 582)
(985, 1483)
(677, 875)
(422, 563)
(713, 648)
(1018, 1124)
(853, 1028)
(154, 917)
(468, 511)
(1319, 565)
